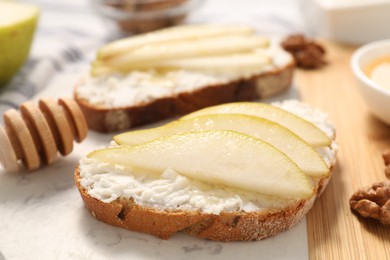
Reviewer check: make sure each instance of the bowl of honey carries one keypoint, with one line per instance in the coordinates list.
(371, 67)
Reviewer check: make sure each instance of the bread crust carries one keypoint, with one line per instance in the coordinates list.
(227, 226)
(105, 119)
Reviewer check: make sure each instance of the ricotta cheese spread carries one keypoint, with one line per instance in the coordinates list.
(170, 190)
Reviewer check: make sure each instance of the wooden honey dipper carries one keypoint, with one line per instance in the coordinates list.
(36, 133)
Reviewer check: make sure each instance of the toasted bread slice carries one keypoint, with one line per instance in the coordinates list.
(154, 205)
(184, 81)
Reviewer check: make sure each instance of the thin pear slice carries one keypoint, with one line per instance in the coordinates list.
(100, 70)
(236, 63)
(178, 33)
(301, 127)
(221, 157)
(187, 49)
(308, 159)
(245, 61)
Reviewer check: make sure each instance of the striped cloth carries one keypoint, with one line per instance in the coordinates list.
(39, 70)
(69, 32)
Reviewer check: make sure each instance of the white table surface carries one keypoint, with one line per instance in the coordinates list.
(42, 215)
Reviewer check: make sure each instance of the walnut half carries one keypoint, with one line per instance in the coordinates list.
(386, 159)
(373, 202)
(307, 53)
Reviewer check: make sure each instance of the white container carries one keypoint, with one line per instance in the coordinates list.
(376, 97)
(349, 21)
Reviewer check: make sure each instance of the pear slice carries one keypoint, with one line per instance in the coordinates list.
(220, 157)
(245, 61)
(308, 159)
(18, 22)
(186, 49)
(233, 63)
(100, 70)
(309, 132)
(178, 33)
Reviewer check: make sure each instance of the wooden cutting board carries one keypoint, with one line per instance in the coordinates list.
(334, 232)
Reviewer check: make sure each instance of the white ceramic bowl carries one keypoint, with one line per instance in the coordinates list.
(350, 21)
(376, 97)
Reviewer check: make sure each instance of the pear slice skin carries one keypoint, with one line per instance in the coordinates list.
(173, 34)
(307, 158)
(219, 157)
(309, 132)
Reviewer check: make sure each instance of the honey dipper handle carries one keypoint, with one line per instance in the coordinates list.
(35, 134)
